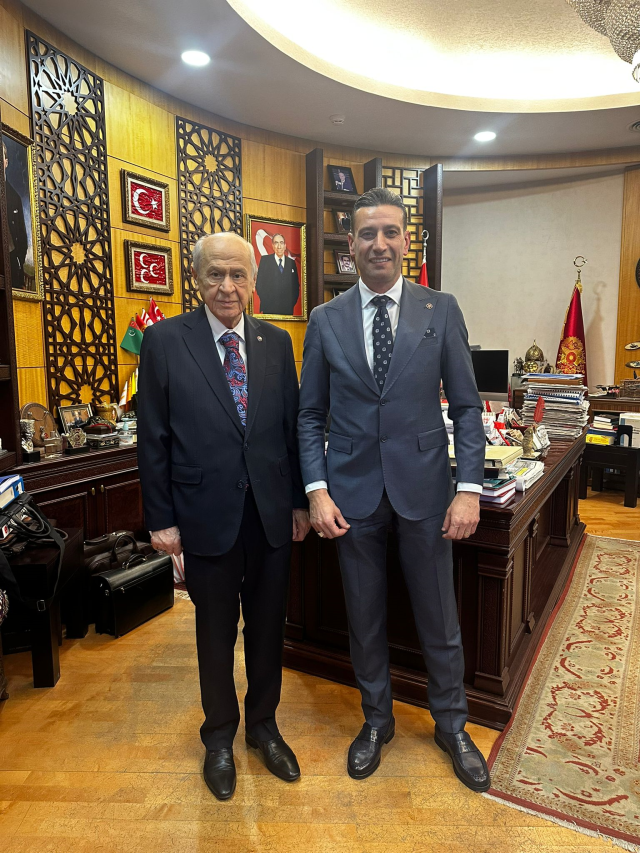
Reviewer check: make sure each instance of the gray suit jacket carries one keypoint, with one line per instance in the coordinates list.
(395, 440)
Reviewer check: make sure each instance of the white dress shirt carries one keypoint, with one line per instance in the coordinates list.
(368, 313)
(219, 329)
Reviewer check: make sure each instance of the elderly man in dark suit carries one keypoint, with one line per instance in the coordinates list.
(374, 357)
(278, 285)
(217, 406)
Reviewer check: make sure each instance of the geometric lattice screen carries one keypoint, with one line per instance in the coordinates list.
(71, 178)
(408, 184)
(209, 190)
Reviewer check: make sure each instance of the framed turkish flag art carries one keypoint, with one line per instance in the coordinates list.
(145, 201)
(149, 268)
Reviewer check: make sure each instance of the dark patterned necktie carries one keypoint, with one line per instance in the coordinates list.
(382, 340)
(236, 373)
(280, 264)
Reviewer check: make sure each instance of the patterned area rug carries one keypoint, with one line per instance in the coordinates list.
(571, 750)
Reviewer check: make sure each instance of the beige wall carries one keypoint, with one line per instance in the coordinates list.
(507, 255)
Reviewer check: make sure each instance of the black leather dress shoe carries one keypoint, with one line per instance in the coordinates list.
(278, 757)
(366, 750)
(220, 772)
(468, 762)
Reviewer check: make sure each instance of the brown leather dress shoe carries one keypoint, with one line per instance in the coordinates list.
(220, 772)
(278, 757)
(468, 762)
(366, 750)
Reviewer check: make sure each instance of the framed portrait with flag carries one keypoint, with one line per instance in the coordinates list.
(279, 249)
(145, 201)
(149, 267)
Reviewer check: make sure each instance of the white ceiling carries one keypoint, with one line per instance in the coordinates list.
(252, 81)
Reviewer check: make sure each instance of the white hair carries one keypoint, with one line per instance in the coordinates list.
(197, 251)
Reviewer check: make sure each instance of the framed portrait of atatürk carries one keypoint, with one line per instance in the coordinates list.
(280, 251)
(149, 267)
(341, 179)
(145, 201)
(25, 251)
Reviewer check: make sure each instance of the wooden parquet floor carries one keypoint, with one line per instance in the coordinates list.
(109, 761)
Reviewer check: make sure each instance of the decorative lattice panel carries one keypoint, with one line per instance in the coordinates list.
(71, 178)
(408, 184)
(210, 192)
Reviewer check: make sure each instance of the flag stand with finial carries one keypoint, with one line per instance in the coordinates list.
(424, 278)
(572, 352)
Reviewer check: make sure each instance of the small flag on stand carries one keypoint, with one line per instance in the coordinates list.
(130, 388)
(154, 312)
(132, 340)
(424, 278)
(572, 352)
(146, 319)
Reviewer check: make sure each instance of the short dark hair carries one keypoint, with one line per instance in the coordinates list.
(376, 198)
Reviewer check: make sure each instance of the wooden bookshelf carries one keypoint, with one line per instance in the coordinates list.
(9, 405)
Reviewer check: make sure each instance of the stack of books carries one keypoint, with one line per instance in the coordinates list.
(498, 491)
(601, 431)
(566, 409)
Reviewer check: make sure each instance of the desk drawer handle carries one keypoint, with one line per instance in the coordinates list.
(102, 489)
(93, 492)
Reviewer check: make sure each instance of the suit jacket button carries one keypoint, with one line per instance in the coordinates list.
(383, 438)
(240, 484)
(383, 402)
(246, 445)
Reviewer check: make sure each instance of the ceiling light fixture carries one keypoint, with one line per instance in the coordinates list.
(485, 136)
(196, 57)
(618, 21)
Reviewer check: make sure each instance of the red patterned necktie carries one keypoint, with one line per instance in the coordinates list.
(236, 373)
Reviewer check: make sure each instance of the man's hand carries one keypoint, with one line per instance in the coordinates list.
(301, 524)
(326, 518)
(462, 516)
(167, 540)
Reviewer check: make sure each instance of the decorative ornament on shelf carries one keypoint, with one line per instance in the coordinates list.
(618, 20)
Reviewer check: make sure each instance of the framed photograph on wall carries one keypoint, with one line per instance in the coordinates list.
(343, 221)
(25, 251)
(145, 201)
(341, 179)
(149, 268)
(72, 417)
(280, 252)
(345, 263)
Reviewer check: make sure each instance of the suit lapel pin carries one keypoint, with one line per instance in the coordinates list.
(259, 338)
(428, 305)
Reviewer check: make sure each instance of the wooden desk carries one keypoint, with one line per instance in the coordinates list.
(612, 404)
(508, 578)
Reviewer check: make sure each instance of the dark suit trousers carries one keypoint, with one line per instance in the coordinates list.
(255, 575)
(427, 566)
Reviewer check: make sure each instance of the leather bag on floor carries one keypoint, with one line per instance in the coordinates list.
(112, 551)
(128, 596)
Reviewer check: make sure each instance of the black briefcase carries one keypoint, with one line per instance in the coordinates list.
(126, 597)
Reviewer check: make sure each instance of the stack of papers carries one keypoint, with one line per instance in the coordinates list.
(498, 491)
(566, 409)
(526, 472)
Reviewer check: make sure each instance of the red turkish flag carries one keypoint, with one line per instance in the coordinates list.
(572, 352)
(154, 312)
(146, 201)
(424, 278)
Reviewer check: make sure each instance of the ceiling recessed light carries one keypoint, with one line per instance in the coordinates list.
(196, 57)
(485, 136)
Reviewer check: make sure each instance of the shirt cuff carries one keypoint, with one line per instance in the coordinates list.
(312, 487)
(469, 487)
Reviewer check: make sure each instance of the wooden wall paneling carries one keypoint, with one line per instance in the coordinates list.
(373, 173)
(13, 80)
(629, 290)
(27, 316)
(140, 133)
(210, 192)
(120, 271)
(71, 177)
(432, 221)
(32, 385)
(272, 173)
(314, 181)
(114, 167)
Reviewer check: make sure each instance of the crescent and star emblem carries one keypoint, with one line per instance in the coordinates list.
(147, 269)
(136, 201)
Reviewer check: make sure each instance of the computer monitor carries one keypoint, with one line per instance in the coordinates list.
(491, 367)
